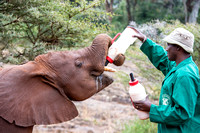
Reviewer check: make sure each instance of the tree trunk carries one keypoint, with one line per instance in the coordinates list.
(170, 6)
(185, 10)
(195, 10)
(191, 8)
(133, 4)
(109, 8)
(128, 10)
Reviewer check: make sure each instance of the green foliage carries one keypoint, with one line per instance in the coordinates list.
(52, 22)
(147, 11)
(119, 20)
(123, 78)
(20, 53)
(140, 126)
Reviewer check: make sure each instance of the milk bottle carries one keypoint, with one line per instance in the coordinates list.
(137, 93)
(121, 45)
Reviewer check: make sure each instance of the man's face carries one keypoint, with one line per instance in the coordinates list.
(172, 51)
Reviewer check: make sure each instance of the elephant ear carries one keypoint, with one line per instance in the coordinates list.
(26, 100)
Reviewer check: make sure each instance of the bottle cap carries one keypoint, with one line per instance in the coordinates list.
(109, 59)
(132, 83)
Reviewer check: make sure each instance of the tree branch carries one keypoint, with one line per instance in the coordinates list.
(14, 21)
(33, 37)
(29, 37)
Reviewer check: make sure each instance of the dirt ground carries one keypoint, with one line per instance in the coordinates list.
(105, 112)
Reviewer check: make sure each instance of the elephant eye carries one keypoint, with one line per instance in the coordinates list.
(78, 63)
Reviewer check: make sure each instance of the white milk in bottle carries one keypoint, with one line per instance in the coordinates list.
(121, 45)
(137, 93)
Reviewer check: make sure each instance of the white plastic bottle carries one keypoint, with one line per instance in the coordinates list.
(137, 93)
(121, 45)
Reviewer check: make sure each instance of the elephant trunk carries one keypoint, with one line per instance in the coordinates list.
(99, 48)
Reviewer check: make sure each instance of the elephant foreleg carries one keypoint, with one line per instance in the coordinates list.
(6, 127)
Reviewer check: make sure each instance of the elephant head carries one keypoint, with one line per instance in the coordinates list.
(42, 91)
(80, 72)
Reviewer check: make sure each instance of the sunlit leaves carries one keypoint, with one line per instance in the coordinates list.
(53, 22)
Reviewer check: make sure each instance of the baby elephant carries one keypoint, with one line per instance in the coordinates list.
(41, 92)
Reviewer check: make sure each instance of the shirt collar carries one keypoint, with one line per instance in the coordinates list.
(181, 64)
(184, 62)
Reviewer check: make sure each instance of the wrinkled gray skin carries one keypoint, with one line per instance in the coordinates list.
(85, 67)
(42, 91)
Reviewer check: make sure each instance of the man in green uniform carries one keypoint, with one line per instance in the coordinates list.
(179, 104)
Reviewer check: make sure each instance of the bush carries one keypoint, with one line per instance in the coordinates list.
(140, 126)
(119, 20)
(53, 22)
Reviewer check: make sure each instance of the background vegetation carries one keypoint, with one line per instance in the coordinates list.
(32, 27)
(139, 126)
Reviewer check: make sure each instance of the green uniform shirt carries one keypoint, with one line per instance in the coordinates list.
(179, 103)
